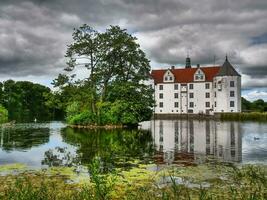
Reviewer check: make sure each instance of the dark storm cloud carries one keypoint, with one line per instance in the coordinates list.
(34, 33)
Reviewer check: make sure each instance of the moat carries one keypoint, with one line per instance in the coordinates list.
(160, 142)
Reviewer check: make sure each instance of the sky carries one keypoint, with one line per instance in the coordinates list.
(34, 35)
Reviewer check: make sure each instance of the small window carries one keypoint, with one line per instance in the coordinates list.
(161, 95)
(232, 93)
(215, 104)
(191, 104)
(196, 77)
(232, 84)
(160, 87)
(166, 78)
(176, 104)
(207, 86)
(161, 104)
(191, 86)
(176, 86)
(176, 95)
(214, 94)
(232, 104)
(207, 104)
(207, 95)
(215, 85)
(201, 77)
(170, 78)
(191, 95)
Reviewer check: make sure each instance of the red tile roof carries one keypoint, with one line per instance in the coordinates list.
(185, 75)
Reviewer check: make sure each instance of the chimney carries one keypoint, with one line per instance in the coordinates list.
(173, 67)
(198, 65)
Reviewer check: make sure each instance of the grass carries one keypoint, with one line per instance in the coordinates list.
(253, 116)
(199, 182)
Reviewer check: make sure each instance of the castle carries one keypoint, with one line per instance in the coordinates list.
(197, 90)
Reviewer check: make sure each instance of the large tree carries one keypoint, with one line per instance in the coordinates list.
(116, 67)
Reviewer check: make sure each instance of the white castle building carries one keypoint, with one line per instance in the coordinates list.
(198, 90)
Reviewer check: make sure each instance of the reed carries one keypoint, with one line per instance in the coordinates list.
(253, 116)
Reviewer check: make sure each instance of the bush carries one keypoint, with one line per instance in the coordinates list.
(3, 114)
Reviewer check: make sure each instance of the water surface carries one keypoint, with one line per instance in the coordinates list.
(160, 141)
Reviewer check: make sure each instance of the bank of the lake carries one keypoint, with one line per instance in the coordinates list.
(216, 181)
(243, 116)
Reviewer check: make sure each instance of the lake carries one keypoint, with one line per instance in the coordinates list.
(163, 142)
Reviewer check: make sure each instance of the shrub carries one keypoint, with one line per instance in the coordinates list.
(3, 114)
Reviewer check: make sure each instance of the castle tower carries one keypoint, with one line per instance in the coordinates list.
(227, 89)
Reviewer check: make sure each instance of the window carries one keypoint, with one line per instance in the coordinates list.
(166, 78)
(191, 95)
(176, 104)
(161, 95)
(161, 104)
(207, 95)
(191, 86)
(207, 104)
(176, 95)
(160, 87)
(215, 104)
(232, 104)
(207, 86)
(191, 104)
(170, 78)
(214, 94)
(232, 84)
(215, 85)
(176, 86)
(196, 77)
(232, 93)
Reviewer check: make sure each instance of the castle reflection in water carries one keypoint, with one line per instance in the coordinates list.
(192, 140)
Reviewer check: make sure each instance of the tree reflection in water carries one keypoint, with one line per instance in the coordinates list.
(115, 147)
(22, 139)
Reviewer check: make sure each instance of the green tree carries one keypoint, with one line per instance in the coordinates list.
(25, 101)
(117, 67)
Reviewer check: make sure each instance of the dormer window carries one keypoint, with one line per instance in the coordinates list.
(168, 76)
(199, 75)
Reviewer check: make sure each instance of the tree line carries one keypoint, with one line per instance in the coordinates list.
(24, 101)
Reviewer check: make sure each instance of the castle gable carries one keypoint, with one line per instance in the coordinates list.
(185, 75)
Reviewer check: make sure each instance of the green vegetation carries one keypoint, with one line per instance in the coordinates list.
(3, 114)
(251, 111)
(175, 182)
(24, 101)
(113, 93)
(253, 116)
(255, 106)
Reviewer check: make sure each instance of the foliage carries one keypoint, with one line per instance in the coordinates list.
(255, 106)
(113, 92)
(253, 116)
(24, 100)
(225, 182)
(3, 114)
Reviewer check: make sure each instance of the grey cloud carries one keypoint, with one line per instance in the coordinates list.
(34, 33)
